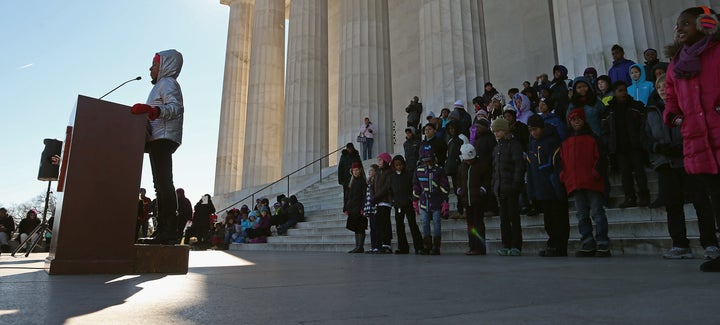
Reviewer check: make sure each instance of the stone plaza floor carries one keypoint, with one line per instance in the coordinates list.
(223, 287)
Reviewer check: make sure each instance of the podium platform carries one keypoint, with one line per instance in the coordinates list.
(97, 191)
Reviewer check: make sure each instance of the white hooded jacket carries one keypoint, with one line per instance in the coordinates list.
(167, 96)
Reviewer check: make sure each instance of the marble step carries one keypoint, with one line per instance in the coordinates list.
(619, 246)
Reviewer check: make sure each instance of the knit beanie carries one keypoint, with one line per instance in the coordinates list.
(579, 112)
(536, 121)
(500, 124)
(385, 157)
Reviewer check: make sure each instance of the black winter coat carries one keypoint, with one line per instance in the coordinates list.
(346, 161)
(356, 196)
(508, 167)
(412, 154)
(382, 185)
(401, 189)
(471, 178)
(624, 125)
(520, 131)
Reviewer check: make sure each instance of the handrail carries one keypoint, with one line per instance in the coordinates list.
(252, 195)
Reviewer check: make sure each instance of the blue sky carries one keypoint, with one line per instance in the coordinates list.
(55, 50)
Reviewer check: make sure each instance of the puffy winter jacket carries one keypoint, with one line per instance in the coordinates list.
(665, 144)
(167, 95)
(543, 174)
(582, 162)
(508, 167)
(430, 187)
(697, 100)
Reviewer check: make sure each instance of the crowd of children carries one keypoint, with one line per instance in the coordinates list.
(560, 139)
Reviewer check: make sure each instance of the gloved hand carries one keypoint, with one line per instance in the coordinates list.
(483, 191)
(677, 121)
(459, 191)
(416, 206)
(445, 210)
(152, 112)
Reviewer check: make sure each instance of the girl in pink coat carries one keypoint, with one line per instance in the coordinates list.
(692, 89)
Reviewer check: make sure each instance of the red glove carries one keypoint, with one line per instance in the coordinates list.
(152, 112)
(416, 207)
(445, 210)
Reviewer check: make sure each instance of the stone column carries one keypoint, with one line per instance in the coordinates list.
(231, 137)
(451, 64)
(264, 125)
(306, 92)
(334, 17)
(365, 84)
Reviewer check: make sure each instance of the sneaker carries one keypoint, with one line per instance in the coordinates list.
(385, 250)
(711, 252)
(585, 253)
(503, 252)
(603, 253)
(629, 202)
(372, 251)
(514, 252)
(675, 253)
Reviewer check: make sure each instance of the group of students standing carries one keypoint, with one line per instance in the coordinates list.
(511, 155)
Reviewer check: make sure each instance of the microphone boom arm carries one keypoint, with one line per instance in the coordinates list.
(122, 84)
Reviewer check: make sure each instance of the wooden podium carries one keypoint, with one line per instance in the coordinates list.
(94, 230)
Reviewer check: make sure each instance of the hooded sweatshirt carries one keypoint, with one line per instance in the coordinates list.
(640, 89)
(167, 96)
(594, 109)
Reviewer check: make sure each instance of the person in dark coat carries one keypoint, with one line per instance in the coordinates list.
(484, 144)
(559, 88)
(625, 122)
(666, 157)
(434, 145)
(185, 211)
(381, 197)
(7, 227)
(544, 185)
(411, 146)
(414, 111)
(201, 219)
(27, 225)
(507, 183)
(488, 94)
(401, 196)
(474, 177)
(356, 221)
(348, 156)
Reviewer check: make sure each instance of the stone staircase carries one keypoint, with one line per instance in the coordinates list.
(632, 231)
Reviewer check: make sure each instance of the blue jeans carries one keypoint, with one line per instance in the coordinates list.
(426, 223)
(590, 204)
(367, 148)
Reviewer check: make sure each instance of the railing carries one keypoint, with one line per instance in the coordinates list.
(287, 177)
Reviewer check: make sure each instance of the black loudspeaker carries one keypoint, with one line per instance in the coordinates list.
(48, 171)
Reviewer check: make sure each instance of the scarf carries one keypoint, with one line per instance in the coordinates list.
(687, 61)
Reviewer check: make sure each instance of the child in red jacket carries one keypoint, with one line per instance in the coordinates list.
(582, 163)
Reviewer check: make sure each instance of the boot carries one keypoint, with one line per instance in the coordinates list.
(427, 243)
(354, 250)
(360, 242)
(436, 245)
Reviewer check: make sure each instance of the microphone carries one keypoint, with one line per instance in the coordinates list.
(122, 84)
